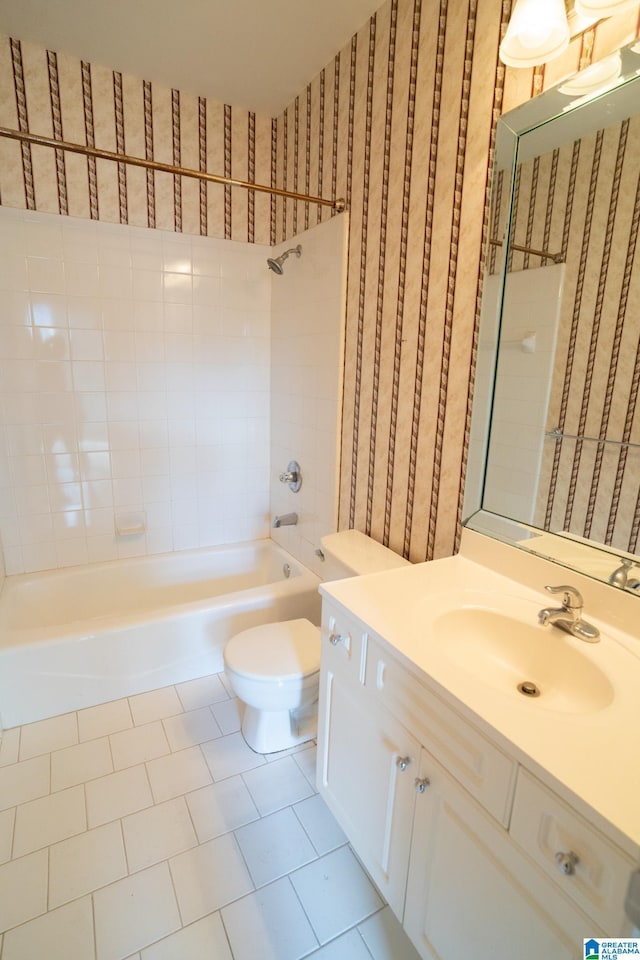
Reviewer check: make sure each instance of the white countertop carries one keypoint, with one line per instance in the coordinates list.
(591, 757)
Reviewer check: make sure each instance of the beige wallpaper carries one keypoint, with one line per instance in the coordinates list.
(583, 202)
(400, 123)
(58, 95)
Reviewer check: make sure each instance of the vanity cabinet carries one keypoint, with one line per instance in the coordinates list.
(459, 838)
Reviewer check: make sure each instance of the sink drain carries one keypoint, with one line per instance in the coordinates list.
(528, 689)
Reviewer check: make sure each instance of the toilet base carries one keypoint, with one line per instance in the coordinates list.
(269, 731)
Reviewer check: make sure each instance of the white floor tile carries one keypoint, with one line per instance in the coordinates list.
(269, 924)
(386, 939)
(221, 807)
(227, 714)
(306, 760)
(134, 912)
(335, 893)
(189, 729)
(208, 877)
(320, 824)
(203, 940)
(23, 889)
(178, 773)
(145, 742)
(117, 795)
(9, 746)
(274, 846)
(82, 762)
(230, 755)
(47, 735)
(24, 781)
(104, 719)
(85, 863)
(7, 820)
(49, 819)
(155, 705)
(58, 935)
(276, 785)
(158, 833)
(201, 692)
(350, 946)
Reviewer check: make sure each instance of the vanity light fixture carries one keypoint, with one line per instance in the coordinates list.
(538, 31)
(603, 8)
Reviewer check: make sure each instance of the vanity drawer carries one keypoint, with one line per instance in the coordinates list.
(344, 643)
(477, 764)
(547, 828)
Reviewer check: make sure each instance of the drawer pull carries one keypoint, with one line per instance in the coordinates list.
(402, 763)
(336, 638)
(567, 862)
(422, 784)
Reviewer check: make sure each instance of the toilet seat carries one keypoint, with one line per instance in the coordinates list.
(277, 652)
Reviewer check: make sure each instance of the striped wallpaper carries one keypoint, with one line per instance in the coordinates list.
(400, 123)
(58, 95)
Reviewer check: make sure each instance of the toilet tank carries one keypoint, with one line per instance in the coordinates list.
(352, 554)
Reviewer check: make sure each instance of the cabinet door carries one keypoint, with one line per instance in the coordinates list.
(471, 893)
(367, 763)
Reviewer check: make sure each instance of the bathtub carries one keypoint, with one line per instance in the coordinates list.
(80, 636)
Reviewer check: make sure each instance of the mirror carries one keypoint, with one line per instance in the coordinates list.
(554, 457)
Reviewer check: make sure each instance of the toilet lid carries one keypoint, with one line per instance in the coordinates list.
(275, 651)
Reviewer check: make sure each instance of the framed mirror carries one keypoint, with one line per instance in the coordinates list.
(554, 458)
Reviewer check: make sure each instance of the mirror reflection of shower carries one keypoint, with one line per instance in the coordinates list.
(277, 264)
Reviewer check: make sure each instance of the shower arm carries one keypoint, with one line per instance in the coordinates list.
(86, 151)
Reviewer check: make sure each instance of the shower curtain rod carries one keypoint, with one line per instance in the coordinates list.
(556, 257)
(40, 141)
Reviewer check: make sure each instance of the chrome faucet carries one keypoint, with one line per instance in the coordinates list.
(620, 577)
(568, 617)
(286, 520)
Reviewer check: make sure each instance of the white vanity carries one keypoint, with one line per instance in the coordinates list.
(497, 825)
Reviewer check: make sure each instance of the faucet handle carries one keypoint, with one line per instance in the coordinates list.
(572, 599)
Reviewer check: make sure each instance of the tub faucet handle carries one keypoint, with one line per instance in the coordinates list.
(292, 476)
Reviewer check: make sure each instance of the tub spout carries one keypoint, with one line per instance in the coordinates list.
(286, 520)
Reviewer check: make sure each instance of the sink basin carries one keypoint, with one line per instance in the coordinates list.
(503, 651)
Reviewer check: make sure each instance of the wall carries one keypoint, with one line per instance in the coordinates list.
(58, 95)
(307, 335)
(134, 378)
(400, 124)
(528, 334)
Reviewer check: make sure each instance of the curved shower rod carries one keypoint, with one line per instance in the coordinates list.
(40, 141)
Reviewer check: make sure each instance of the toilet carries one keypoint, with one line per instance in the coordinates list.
(274, 669)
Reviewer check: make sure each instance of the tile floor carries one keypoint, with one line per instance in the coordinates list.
(146, 829)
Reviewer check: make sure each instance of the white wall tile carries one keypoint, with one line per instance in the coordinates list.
(94, 331)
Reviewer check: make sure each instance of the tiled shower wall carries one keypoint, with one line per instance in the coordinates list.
(135, 380)
(307, 337)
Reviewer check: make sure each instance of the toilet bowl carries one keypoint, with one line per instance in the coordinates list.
(274, 669)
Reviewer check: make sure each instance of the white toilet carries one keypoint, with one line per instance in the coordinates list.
(275, 668)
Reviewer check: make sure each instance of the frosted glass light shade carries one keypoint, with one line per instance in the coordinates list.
(538, 31)
(603, 8)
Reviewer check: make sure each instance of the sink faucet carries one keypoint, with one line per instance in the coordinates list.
(569, 616)
(620, 577)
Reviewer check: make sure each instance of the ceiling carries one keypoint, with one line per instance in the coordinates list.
(257, 54)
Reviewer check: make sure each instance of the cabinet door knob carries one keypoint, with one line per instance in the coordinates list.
(336, 638)
(422, 784)
(403, 762)
(567, 862)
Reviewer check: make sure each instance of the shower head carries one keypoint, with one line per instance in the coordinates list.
(276, 264)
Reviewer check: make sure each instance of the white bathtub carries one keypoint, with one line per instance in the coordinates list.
(80, 636)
